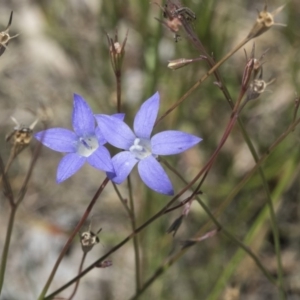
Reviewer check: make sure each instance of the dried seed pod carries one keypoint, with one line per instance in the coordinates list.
(264, 21)
(5, 37)
(21, 134)
(116, 52)
(256, 88)
(89, 239)
(175, 14)
(182, 62)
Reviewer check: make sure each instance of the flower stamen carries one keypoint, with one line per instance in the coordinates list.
(141, 148)
(87, 146)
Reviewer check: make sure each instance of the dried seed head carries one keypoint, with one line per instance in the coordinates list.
(253, 67)
(5, 37)
(175, 14)
(116, 52)
(256, 88)
(264, 21)
(21, 134)
(88, 240)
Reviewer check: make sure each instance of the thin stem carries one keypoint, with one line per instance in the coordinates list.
(6, 245)
(275, 234)
(123, 201)
(7, 190)
(135, 238)
(234, 239)
(14, 206)
(204, 77)
(73, 234)
(79, 271)
(118, 81)
(180, 253)
(131, 214)
(23, 189)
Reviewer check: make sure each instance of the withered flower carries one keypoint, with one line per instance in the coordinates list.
(89, 239)
(21, 135)
(5, 37)
(256, 88)
(264, 21)
(175, 15)
(116, 52)
(182, 62)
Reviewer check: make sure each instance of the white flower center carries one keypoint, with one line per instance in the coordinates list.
(141, 148)
(87, 145)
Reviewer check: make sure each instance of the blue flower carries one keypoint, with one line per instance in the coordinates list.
(84, 144)
(141, 149)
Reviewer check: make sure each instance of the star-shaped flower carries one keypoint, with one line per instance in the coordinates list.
(84, 144)
(141, 149)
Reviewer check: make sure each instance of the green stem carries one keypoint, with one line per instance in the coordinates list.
(232, 237)
(255, 230)
(272, 216)
(135, 238)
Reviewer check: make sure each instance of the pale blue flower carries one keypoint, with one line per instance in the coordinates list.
(141, 149)
(84, 144)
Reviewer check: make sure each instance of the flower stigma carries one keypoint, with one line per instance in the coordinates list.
(141, 148)
(87, 146)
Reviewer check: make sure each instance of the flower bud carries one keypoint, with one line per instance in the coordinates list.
(182, 62)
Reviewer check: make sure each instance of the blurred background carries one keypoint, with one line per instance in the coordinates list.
(62, 49)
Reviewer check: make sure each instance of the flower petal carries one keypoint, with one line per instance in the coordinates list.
(99, 136)
(172, 142)
(82, 118)
(119, 116)
(98, 132)
(146, 116)
(154, 176)
(101, 160)
(58, 139)
(68, 166)
(123, 163)
(115, 131)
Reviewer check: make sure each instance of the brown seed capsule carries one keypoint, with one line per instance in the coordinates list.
(182, 62)
(174, 14)
(116, 52)
(256, 88)
(89, 239)
(5, 37)
(264, 21)
(21, 135)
